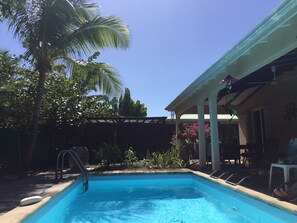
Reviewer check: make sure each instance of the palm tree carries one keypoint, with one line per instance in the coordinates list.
(56, 30)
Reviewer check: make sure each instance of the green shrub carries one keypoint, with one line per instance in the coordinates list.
(109, 154)
(130, 157)
(185, 151)
(169, 159)
(147, 154)
(173, 158)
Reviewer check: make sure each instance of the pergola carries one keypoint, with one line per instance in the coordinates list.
(146, 120)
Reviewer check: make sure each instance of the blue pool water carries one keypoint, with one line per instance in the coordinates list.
(155, 198)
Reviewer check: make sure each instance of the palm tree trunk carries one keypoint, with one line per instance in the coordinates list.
(35, 118)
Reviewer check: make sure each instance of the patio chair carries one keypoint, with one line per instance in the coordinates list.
(291, 155)
(290, 162)
(253, 154)
(230, 152)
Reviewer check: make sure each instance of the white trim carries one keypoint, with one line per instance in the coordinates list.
(221, 117)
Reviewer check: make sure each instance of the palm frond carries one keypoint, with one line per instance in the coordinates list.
(87, 10)
(65, 26)
(100, 32)
(93, 75)
(97, 76)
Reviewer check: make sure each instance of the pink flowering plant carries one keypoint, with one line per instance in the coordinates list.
(188, 137)
(188, 133)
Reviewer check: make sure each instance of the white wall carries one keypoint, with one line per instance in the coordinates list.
(277, 98)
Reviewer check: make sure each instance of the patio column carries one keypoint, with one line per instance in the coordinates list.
(177, 121)
(201, 133)
(214, 133)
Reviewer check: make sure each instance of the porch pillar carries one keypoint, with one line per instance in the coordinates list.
(214, 133)
(201, 133)
(177, 130)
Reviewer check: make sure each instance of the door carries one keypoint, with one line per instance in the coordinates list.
(258, 126)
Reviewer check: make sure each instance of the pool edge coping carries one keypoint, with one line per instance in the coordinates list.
(272, 201)
(20, 213)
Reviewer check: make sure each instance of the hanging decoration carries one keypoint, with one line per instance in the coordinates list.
(229, 81)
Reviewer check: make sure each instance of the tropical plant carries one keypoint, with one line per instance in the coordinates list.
(108, 154)
(54, 31)
(130, 157)
(169, 159)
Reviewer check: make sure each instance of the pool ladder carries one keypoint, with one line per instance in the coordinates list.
(216, 174)
(78, 162)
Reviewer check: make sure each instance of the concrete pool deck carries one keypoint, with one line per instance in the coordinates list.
(42, 184)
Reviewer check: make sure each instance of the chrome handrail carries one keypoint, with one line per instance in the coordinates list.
(77, 161)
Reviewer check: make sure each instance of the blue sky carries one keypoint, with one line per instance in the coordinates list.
(172, 42)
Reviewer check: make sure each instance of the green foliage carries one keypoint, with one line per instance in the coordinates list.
(169, 159)
(108, 154)
(8, 6)
(125, 103)
(65, 101)
(185, 151)
(98, 106)
(95, 76)
(127, 107)
(130, 157)
(16, 93)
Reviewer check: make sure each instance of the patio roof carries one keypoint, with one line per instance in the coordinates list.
(272, 42)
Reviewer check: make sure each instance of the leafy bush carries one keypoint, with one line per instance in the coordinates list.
(185, 151)
(130, 157)
(187, 139)
(169, 159)
(109, 154)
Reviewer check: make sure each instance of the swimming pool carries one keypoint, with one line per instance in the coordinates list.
(155, 198)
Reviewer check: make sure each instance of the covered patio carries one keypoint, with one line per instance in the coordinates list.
(261, 72)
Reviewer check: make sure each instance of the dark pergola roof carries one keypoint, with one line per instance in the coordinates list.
(146, 120)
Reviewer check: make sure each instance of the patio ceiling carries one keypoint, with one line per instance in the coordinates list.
(265, 74)
(246, 87)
